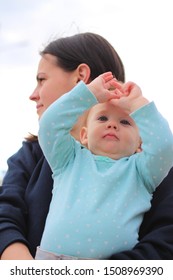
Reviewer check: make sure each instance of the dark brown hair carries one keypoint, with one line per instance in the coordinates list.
(89, 48)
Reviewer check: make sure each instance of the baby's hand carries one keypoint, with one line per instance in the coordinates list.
(131, 97)
(103, 87)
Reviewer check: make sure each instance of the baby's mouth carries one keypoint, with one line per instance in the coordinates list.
(110, 136)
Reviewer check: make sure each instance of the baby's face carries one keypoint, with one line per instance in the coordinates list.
(110, 132)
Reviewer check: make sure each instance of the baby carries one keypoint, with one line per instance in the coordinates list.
(103, 184)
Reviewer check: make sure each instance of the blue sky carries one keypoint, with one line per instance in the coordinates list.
(140, 30)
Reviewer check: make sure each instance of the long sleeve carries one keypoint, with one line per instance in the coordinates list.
(57, 121)
(156, 231)
(156, 158)
(13, 208)
(24, 197)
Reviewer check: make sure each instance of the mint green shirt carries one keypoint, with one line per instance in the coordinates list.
(98, 203)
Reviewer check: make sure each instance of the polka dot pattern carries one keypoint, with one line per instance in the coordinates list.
(98, 203)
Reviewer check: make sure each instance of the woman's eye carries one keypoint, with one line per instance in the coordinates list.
(125, 122)
(40, 80)
(103, 118)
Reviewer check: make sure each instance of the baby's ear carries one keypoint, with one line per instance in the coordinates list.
(84, 136)
(139, 149)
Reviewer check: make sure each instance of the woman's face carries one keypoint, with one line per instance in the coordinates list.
(52, 82)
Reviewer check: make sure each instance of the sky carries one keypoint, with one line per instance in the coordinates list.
(140, 31)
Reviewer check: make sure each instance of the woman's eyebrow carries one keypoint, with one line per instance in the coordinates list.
(38, 75)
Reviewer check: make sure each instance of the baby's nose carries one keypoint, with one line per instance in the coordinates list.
(112, 125)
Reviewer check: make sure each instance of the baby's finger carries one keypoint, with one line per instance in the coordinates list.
(119, 93)
(107, 76)
(128, 87)
(114, 94)
(116, 85)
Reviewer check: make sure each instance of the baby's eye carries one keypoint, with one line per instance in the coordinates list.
(125, 122)
(102, 118)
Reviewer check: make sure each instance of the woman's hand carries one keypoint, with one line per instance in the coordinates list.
(16, 251)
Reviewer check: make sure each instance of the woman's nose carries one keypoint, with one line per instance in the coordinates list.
(34, 96)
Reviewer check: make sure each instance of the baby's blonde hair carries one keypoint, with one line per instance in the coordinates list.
(81, 122)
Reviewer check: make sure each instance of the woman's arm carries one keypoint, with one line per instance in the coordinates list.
(16, 251)
(13, 206)
(156, 231)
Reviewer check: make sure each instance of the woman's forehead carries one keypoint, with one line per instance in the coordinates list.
(47, 60)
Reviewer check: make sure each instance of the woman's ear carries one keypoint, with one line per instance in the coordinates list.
(84, 73)
(84, 136)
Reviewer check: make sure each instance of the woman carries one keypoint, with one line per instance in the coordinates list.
(27, 186)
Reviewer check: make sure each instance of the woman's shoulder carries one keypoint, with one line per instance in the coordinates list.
(28, 155)
(32, 146)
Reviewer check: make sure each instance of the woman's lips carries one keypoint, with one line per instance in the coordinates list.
(38, 106)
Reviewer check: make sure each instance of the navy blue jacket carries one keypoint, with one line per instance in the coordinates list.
(25, 198)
